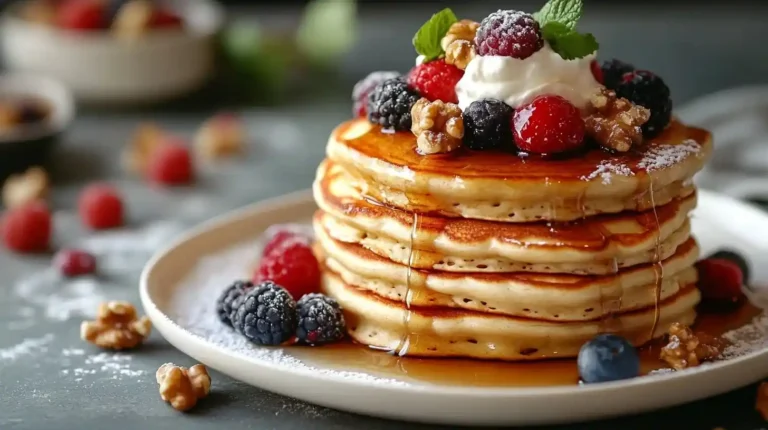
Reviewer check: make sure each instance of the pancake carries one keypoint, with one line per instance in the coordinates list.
(502, 186)
(536, 296)
(595, 245)
(440, 332)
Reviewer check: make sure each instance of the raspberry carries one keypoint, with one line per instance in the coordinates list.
(292, 265)
(644, 88)
(320, 320)
(171, 164)
(486, 124)
(597, 72)
(266, 314)
(101, 207)
(27, 228)
(738, 259)
(164, 18)
(612, 71)
(74, 262)
(278, 235)
(548, 124)
(390, 104)
(508, 33)
(82, 15)
(363, 89)
(436, 80)
(720, 279)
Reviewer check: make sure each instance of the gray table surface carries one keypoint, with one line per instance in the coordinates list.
(51, 379)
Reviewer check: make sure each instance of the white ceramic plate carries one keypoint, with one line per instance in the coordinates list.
(170, 278)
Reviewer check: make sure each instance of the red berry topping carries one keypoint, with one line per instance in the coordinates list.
(509, 33)
(82, 15)
(101, 207)
(597, 71)
(171, 164)
(74, 262)
(163, 18)
(720, 279)
(27, 228)
(436, 80)
(547, 125)
(364, 87)
(293, 265)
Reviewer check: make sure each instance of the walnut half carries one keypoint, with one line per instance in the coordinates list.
(459, 43)
(614, 122)
(438, 126)
(686, 349)
(182, 387)
(116, 327)
(24, 188)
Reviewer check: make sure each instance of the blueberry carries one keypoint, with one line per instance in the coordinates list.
(736, 258)
(608, 357)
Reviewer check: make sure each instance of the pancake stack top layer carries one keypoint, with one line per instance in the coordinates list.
(498, 253)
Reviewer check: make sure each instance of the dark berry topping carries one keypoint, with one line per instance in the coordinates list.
(266, 315)
(436, 80)
(227, 303)
(737, 259)
(719, 279)
(608, 357)
(548, 125)
(508, 33)
(363, 89)
(320, 320)
(390, 104)
(486, 124)
(644, 88)
(612, 72)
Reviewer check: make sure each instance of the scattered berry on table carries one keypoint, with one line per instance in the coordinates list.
(27, 228)
(390, 103)
(74, 262)
(293, 265)
(487, 124)
(229, 300)
(266, 315)
(436, 80)
(82, 15)
(171, 164)
(736, 258)
(321, 320)
(508, 33)
(363, 89)
(549, 124)
(608, 357)
(612, 71)
(644, 88)
(720, 279)
(101, 207)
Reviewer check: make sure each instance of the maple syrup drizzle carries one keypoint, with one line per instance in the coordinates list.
(402, 348)
(658, 267)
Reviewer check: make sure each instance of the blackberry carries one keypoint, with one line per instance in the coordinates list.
(612, 72)
(266, 314)
(229, 299)
(390, 104)
(487, 124)
(320, 320)
(644, 88)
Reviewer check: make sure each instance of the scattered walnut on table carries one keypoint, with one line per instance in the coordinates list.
(24, 188)
(438, 126)
(182, 387)
(221, 136)
(615, 122)
(145, 141)
(116, 327)
(688, 349)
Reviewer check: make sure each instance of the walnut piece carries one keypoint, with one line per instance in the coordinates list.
(614, 122)
(438, 126)
(761, 403)
(182, 387)
(116, 327)
(686, 349)
(460, 53)
(221, 136)
(133, 19)
(24, 188)
(462, 30)
(146, 140)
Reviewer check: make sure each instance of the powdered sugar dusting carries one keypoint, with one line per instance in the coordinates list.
(195, 311)
(605, 171)
(27, 347)
(114, 366)
(748, 338)
(663, 156)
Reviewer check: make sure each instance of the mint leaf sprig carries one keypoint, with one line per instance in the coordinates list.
(427, 39)
(558, 19)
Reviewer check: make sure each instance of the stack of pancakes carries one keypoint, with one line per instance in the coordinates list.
(493, 255)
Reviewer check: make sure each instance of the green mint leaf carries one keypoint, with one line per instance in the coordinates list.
(427, 39)
(566, 12)
(568, 43)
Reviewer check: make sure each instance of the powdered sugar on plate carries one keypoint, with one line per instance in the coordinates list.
(606, 169)
(663, 156)
(194, 310)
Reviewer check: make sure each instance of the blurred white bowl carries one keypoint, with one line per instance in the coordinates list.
(100, 68)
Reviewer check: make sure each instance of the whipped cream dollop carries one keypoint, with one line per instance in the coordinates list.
(517, 82)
